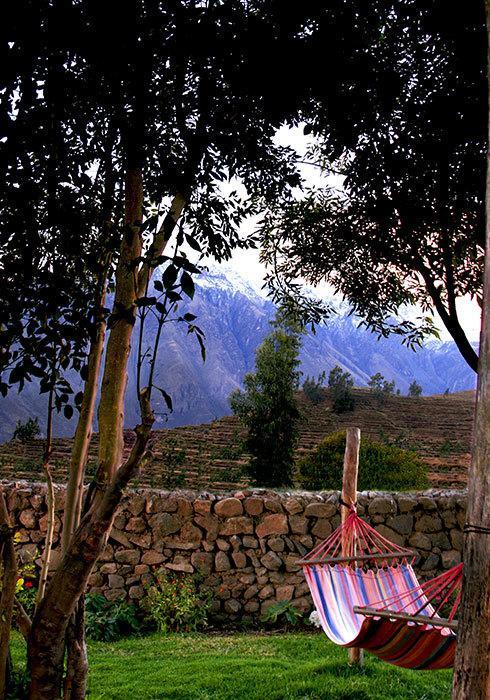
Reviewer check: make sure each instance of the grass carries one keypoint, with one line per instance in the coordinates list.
(246, 667)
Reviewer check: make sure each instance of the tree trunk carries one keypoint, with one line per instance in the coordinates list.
(7, 594)
(47, 638)
(83, 433)
(48, 544)
(76, 662)
(472, 664)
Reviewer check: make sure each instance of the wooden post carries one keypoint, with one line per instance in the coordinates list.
(349, 496)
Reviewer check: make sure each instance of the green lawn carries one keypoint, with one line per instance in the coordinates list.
(247, 666)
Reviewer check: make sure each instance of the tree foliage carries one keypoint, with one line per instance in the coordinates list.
(380, 466)
(340, 384)
(380, 387)
(414, 389)
(313, 388)
(267, 405)
(407, 225)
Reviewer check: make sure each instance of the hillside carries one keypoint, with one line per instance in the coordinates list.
(211, 455)
(235, 319)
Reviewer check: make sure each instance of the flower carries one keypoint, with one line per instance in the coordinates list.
(28, 584)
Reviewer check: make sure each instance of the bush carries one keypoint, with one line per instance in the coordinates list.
(340, 384)
(380, 466)
(176, 603)
(25, 432)
(313, 389)
(106, 621)
(283, 612)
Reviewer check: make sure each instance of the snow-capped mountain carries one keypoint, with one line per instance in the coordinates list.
(235, 314)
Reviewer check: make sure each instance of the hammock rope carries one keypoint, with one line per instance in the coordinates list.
(367, 595)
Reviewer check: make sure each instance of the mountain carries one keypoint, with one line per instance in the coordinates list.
(235, 318)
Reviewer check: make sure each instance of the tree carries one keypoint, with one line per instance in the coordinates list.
(414, 389)
(340, 384)
(267, 405)
(381, 387)
(313, 388)
(471, 668)
(120, 125)
(407, 226)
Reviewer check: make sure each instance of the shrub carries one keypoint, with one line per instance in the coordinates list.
(106, 621)
(25, 432)
(176, 603)
(414, 389)
(340, 384)
(282, 612)
(313, 389)
(380, 466)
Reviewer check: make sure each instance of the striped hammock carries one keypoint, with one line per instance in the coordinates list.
(367, 595)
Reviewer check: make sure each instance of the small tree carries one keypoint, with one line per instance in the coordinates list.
(381, 387)
(313, 388)
(267, 406)
(414, 389)
(25, 432)
(340, 384)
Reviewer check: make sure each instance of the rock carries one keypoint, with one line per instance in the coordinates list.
(184, 508)
(266, 592)
(432, 562)
(320, 510)
(152, 558)
(136, 504)
(420, 541)
(239, 559)
(284, 592)
(116, 581)
(298, 524)
(252, 606)
(450, 558)
(402, 524)
(382, 505)
(271, 561)
(228, 508)
(427, 503)
(109, 568)
(441, 540)
(276, 544)
(253, 505)
(115, 594)
(180, 563)
(303, 604)
(141, 569)
(128, 556)
(202, 507)
(136, 592)
(120, 521)
(290, 561)
(136, 525)
(164, 524)
(250, 542)
(237, 526)
(273, 505)
(322, 528)
(202, 561)
(232, 606)
(221, 562)
(159, 504)
(28, 519)
(250, 592)
(428, 523)
(222, 544)
(275, 524)
(406, 504)
(143, 540)
(119, 537)
(293, 506)
(390, 535)
(457, 539)
(208, 523)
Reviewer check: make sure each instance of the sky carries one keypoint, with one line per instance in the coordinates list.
(247, 264)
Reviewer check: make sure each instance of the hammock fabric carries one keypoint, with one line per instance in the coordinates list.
(347, 596)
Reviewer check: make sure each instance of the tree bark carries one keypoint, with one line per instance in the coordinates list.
(46, 641)
(83, 433)
(349, 496)
(77, 661)
(472, 663)
(7, 594)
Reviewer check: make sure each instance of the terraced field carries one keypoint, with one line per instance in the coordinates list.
(212, 455)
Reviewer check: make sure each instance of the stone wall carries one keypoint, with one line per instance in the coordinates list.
(246, 544)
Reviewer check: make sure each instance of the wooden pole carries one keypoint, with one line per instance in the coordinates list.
(349, 497)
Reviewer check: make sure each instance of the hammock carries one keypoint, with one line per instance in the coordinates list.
(382, 609)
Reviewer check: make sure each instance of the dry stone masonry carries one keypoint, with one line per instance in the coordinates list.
(245, 544)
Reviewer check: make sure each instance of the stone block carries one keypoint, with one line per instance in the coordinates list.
(274, 524)
(228, 508)
(320, 510)
(221, 562)
(253, 505)
(271, 561)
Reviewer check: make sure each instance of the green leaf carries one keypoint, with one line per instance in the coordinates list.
(187, 284)
(68, 411)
